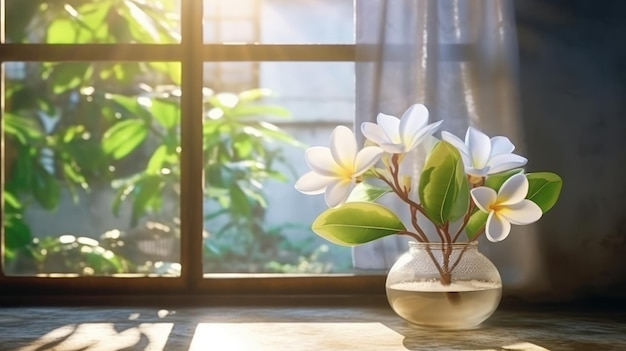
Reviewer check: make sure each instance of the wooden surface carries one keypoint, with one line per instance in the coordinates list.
(297, 328)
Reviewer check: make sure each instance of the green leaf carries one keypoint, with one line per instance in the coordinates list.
(66, 76)
(124, 137)
(72, 132)
(17, 232)
(143, 27)
(93, 18)
(61, 31)
(157, 160)
(11, 202)
(172, 69)
(252, 110)
(124, 188)
(495, 181)
(441, 182)
(239, 201)
(72, 173)
(272, 131)
(462, 201)
(476, 223)
(544, 189)
(147, 190)
(130, 104)
(365, 192)
(165, 112)
(21, 128)
(45, 188)
(24, 168)
(356, 223)
(254, 94)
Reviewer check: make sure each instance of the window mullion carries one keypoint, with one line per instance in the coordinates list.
(191, 142)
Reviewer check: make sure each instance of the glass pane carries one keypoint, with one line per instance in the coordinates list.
(279, 21)
(93, 21)
(255, 133)
(91, 168)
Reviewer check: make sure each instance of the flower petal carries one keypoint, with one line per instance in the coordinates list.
(392, 148)
(337, 192)
(321, 161)
(421, 135)
(312, 183)
(366, 158)
(504, 162)
(391, 126)
(412, 121)
(374, 133)
(479, 146)
(524, 212)
(513, 190)
(343, 146)
(412, 164)
(497, 227)
(484, 197)
(501, 145)
(456, 142)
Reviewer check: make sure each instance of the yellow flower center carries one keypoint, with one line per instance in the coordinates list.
(495, 207)
(344, 173)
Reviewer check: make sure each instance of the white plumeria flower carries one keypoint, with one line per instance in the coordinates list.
(334, 170)
(483, 156)
(507, 206)
(399, 135)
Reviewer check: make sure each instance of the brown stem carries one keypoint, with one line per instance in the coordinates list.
(403, 194)
(397, 188)
(458, 259)
(445, 271)
(447, 251)
(442, 274)
(441, 233)
(446, 231)
(416, 225)
(466, 218)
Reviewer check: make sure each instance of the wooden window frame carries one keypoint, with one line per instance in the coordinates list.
(191, 53)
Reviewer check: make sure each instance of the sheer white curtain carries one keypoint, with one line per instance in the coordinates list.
(459, 58)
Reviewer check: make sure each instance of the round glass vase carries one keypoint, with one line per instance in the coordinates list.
(444, 286)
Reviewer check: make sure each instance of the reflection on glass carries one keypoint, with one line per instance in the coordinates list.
(91, 168)
(279, 21)
(254, 139)
(93, 21)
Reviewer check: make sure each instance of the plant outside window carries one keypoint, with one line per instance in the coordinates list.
(75, 129)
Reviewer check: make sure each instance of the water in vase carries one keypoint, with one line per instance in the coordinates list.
(462, 304)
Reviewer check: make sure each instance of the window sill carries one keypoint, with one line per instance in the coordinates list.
(362, 323)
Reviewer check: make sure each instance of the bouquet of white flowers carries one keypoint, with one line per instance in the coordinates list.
(450, 186)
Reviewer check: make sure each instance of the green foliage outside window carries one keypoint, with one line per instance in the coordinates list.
(101, 117)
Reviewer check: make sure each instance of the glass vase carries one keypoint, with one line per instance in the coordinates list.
(444, 286)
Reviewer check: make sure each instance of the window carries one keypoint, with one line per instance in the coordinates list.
(145, 139)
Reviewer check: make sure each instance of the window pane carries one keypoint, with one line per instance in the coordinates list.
(279, 21)
(255, 132)
(91, 168)
(93, 21)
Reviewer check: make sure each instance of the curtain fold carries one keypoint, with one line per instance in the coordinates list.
(459, 58)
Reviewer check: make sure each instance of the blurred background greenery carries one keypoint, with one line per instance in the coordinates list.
(73, 130)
